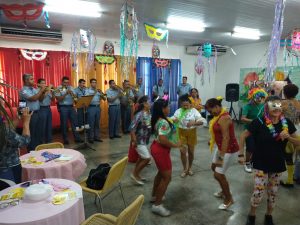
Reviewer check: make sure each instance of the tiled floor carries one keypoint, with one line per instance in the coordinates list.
(190, 199)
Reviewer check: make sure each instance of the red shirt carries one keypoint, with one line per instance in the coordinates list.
(233, 145)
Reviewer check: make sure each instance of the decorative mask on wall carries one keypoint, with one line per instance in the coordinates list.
(108, 48)
(84, 41)
(155, 51)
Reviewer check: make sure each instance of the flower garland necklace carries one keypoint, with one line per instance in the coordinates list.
(271, 127)
(212, 122)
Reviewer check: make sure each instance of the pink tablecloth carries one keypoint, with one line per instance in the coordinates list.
(44, 212)
(70, 170)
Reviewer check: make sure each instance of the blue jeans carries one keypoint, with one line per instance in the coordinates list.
(13, 173)
(126, 117)
(68, 113)
(93, 115)
(114, 120)
(46, 124)
(35, 131)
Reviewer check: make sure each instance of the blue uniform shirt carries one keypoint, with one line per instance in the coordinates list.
(27, 92)
(141, 91)
(184, 89)
(96, 99)
(68, 100)
(111, 93)
(79, 92)
(47, 99)
(159, 90)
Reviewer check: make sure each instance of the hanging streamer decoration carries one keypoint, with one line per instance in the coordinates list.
(17, 12)
(275, 40)
(199, 66)
(33, 55)
(156, 33)
(128, 38)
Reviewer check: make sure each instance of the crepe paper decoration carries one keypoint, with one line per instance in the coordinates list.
(275, 39)
(128, 38)
(156, 33)
(155, 51)
(18, 12)
(108, 48)
(105, 59)
(33, 55)
(160, 63)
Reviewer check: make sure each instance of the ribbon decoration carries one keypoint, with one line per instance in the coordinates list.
(102, 59)
(160, 63)
(33, 55)
(156, 33)
(22, 12)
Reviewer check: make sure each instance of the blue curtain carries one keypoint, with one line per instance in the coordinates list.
(171, 76)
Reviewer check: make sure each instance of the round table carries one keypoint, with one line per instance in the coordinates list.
(44, 212)
(70, 170)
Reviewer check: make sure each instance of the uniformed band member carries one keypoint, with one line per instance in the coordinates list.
(140, 88)
(94, 111)
(113, 98)
(32, 95)
(158, 90)
(65, 97)
(126, 104)
(79, 92)
(45, 112)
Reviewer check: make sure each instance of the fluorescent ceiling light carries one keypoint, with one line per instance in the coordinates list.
(247, 33)
(73, 7)
(185, 24)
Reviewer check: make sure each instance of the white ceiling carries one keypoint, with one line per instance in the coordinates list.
(220, 17)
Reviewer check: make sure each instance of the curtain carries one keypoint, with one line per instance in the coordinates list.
(171, 76)
(14, 65)
(103, 73)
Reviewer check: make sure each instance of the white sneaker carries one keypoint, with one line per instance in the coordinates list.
(248, 167)
(160, 210)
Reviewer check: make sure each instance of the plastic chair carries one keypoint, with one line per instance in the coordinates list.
(112, 182)
(127, 217)
(49, 146)
(4, 183)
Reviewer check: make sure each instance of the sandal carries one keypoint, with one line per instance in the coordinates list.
(183, 174)
(190, 172)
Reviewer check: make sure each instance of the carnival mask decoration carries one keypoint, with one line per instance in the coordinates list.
(296, 40)
(155, 51)
(274, 106)
(108, 48)
(207, 50)
(84, 40)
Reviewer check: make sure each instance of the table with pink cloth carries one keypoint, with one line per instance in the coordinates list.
(70, 170)
(44, 212)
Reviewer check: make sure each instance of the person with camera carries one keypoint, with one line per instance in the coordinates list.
(10, 165)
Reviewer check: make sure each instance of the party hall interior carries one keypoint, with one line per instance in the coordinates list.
(149, 112)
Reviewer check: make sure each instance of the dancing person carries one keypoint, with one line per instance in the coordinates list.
(271, 133)
(10, 165)
(221, 129)
(94, 111)
(254, 109)
(195, 99)
(65, 97)
(188, 119)
(45, 120)
(291, 110)
(32, 96)
(165, 139)
(113, 97)
(140, 130)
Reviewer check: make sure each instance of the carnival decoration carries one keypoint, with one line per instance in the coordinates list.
(108, 48)
(128, 37)
(279, 75)
(18, 12)
(33, 55)
(156, 33)
(83, 41)
(256, 93)
(275, 40)
(155, 51)
(103, 59)
(161, 63)
(296, 40)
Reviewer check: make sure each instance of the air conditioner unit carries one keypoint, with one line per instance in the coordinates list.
(193, 50)
(30, 34)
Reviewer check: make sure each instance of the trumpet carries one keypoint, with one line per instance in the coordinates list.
(120, 89)
(102, 95)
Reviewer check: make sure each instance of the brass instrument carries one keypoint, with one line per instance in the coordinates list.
(120, 89)
(75, 99)
(102, 95)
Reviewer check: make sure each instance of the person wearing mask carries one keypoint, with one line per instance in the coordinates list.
(254, 109)
(271, 132)
(291, 110)
(158, 90)
(140, 134)
(10, 165)
(65, 97)
(164, 139)
(32, 96)
(94, 111)
(45, 112)
(183, 88)
(79, 92)
(187, 119)
(126, 100)
(113, 97)
(222, 134)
